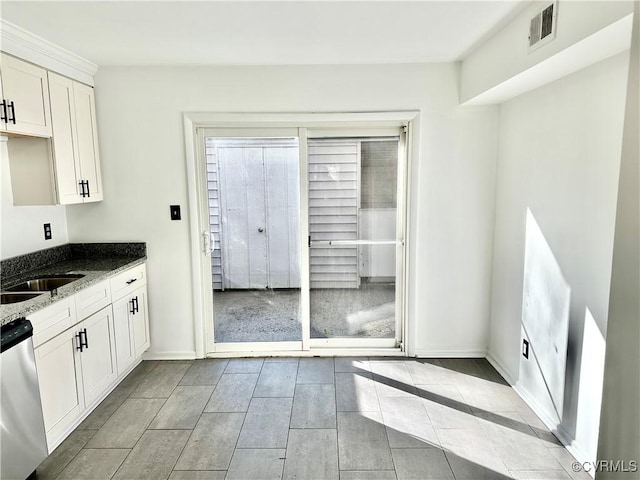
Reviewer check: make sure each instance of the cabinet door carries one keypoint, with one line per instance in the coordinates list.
(62, 401)
(87, 135)
(97, 360)
(140, 321)
(26, 86)
(65, 145)
(123, 333)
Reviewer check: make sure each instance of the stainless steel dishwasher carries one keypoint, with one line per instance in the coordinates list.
(23, 442)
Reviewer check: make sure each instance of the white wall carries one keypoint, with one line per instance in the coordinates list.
(620, 422)
(22, 228)
(559, 157)
(505, 55)
(452, 184)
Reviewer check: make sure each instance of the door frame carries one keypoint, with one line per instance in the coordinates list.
(292, 125)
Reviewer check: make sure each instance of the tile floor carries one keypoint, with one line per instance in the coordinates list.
(311, 418)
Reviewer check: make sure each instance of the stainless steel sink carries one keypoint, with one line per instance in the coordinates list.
(44, 284)
(7, 298)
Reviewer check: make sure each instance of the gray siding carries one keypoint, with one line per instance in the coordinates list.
(333, 212)
(214, 213)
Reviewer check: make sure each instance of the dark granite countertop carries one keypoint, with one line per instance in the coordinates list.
(96, 261)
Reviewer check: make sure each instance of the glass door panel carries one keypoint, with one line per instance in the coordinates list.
(254, 218)
(353, 247)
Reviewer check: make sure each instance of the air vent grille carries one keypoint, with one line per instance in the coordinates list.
(542, 27)
(547, 22)
(534, 29)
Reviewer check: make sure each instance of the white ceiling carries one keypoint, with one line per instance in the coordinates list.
(262, 33)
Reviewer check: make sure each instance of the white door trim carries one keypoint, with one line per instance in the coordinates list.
(305, 278)
(227, 123)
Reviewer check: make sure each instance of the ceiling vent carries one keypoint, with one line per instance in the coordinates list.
(542, 28)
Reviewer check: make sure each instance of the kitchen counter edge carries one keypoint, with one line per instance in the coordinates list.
(14, 311)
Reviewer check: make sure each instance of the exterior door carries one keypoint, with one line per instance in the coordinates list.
(253, 191)
(355, 241)
(257, 190)
(314, 217)
(244, 240)
(282, 213)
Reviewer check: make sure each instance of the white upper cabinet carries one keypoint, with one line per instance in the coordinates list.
(25, 98)
(75, 141)
(85, 108)
(53, 144)
(67, 160)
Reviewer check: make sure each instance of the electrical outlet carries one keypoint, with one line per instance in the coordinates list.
(525, 348)
(175, 212)
(47, 231)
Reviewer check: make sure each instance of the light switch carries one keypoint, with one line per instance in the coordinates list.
(175, 212)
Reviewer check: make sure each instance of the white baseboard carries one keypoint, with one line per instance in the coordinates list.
(551, 423)
(574, 448)
(557, 428)
(456, 352)
(501, 369)
(183, 355)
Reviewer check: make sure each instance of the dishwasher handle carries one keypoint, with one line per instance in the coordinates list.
(15, 332)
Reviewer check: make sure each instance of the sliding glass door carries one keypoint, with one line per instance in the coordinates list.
(305, 236)
(355, 245)
(254, 223)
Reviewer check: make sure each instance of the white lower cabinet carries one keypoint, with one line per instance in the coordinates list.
(131, 321)
(132, 327)
(78, 362)
(97, 356)
(140, 321)
(60, 385)
(74, 369)
(125, 351)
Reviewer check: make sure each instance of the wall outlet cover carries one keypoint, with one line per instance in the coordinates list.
(525, 348)
(47, 231)
(175, 212)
